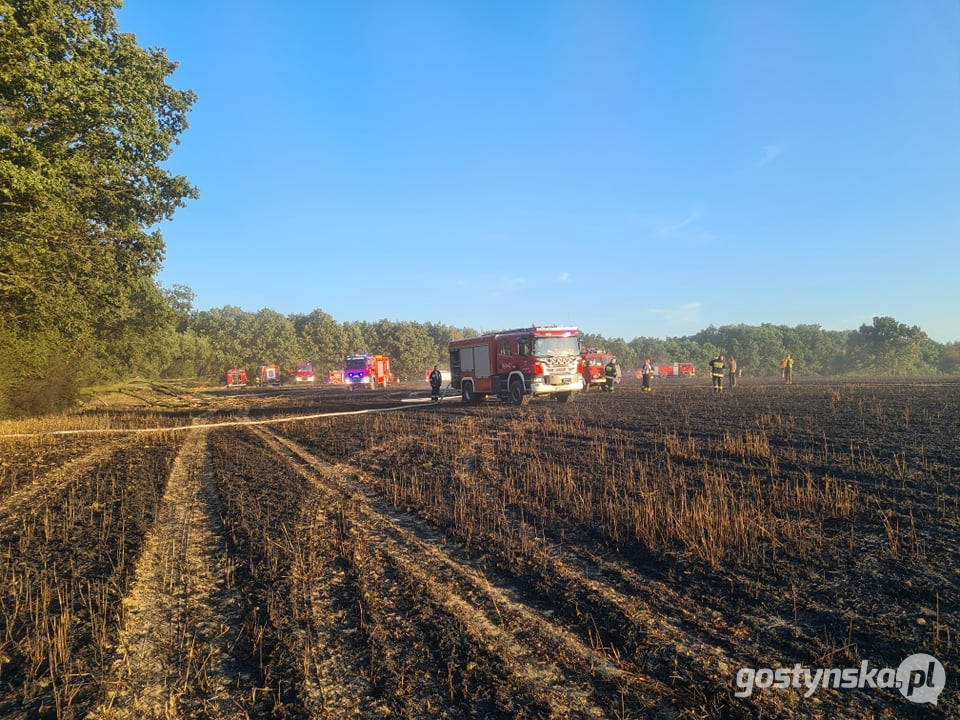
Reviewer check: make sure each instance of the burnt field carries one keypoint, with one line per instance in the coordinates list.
(619, 556)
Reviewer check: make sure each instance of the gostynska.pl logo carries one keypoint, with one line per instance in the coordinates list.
(920, 678)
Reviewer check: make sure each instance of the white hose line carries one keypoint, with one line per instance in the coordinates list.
(228, 423)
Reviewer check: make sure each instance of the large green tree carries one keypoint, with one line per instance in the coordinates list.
(87, 120)
(888, 347)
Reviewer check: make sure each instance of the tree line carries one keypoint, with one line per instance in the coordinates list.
(883, 347)
(228, 336)
(87, 122)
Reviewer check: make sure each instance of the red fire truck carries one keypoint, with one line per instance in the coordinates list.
(269, 375)
(676, 370)
(304, 373)
(367, 371)
(594, 367)
(515, 364)
(236, 377)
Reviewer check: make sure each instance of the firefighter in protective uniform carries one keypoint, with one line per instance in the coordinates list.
(647, 376)
(611, 372)
(436, 380)
(716, 372)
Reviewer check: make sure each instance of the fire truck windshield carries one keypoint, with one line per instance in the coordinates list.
(356, 363)
(556, 346)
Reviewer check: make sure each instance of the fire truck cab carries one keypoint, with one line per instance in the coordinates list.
(236, 377)
(594, 367)
(269, 375)
(515, 364)
(367, 370)
(304, 373)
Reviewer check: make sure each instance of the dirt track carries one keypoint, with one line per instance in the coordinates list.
(176, 645)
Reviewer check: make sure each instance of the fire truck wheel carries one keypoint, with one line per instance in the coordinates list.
(467, 394)
(518, 395)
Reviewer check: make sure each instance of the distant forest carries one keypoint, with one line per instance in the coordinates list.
(180, 342)
(87, 123)
(208, 342)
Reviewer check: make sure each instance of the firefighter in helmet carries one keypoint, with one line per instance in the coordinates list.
(611, 372)
(647, 376)
(436, 380)
(716, 372)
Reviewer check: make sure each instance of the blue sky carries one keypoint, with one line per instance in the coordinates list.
(634, 168)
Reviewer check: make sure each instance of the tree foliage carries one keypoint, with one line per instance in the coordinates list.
(86, 121)
(889, 347)
(885, 348)
(245, 339)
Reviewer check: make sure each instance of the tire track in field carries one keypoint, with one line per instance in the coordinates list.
(389, 562)
(37, 493)
(552, 663)
(336, 666)
(661, 641)
(173, 657)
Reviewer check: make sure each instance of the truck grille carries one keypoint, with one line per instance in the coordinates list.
(559, 366)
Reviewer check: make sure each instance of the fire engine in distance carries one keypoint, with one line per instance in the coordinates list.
(595, 367)
(304, 372)
(515, 364)
(367, 370)
(269, 375)
(677, 369)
